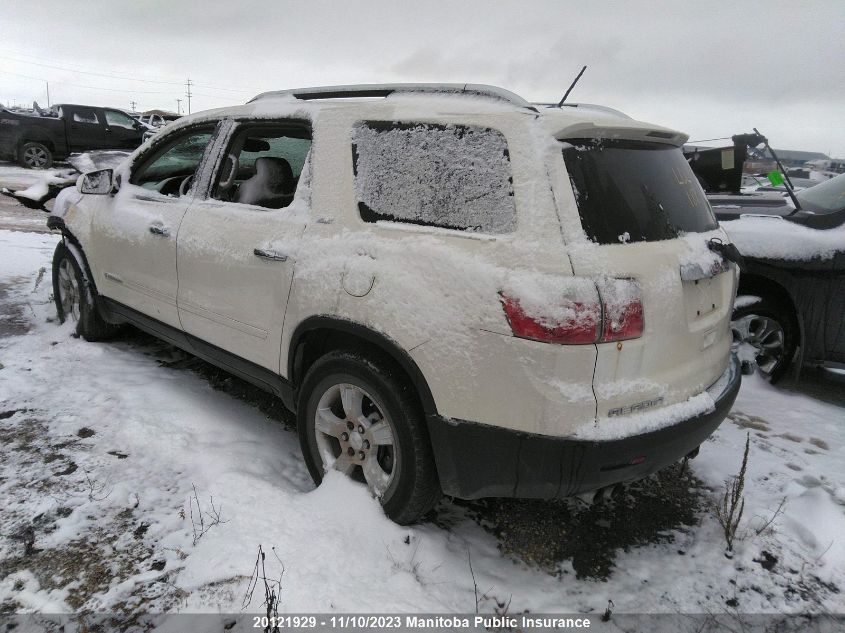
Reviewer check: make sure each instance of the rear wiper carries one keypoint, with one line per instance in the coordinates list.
(788, 182)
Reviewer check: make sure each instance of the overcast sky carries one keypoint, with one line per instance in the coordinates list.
(711, 69)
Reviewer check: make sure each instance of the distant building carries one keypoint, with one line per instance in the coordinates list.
(794, 158)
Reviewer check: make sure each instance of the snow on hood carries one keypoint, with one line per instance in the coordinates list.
(776, 238)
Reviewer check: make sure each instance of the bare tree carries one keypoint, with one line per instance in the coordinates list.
(729, 512)
(205, 519)
(272, 590)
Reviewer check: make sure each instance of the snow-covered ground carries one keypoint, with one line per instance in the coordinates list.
(13, 216)
(111, 452)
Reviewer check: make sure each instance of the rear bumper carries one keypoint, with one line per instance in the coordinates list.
(476, 460)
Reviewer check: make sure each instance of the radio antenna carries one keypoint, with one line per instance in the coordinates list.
(571, 86)
(788, 183)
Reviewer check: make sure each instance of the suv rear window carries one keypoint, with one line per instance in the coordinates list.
(451, 176)
(631, 191)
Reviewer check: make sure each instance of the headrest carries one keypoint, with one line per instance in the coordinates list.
(276, 172)
(256, 145)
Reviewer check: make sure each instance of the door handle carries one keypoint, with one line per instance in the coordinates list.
(159, 230)
(265, 254)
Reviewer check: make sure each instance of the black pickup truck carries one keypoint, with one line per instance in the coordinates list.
(36, 140)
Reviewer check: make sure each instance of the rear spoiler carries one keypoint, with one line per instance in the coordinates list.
(621, 131)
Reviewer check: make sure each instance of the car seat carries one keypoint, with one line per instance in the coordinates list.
(272, 186)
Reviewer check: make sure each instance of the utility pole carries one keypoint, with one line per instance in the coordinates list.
(188, 94)
(178, 106)
(132, 103)
(48, 92)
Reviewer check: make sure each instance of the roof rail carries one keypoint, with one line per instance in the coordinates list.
(384, 90)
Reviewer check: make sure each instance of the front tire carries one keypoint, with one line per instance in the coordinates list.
(34, 155)
(355, 415)
(75, 299)
(766, 332)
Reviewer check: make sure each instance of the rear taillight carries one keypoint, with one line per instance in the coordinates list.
(582, 325)
(614, 314)
(626, 324)
(622, 310)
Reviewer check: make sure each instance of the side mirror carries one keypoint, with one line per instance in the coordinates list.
(96, 182)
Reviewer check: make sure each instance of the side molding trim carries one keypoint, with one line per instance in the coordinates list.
(254, 374)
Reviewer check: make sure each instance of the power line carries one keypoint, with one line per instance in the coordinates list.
(202, 94)
(88, 72)
(226, 89)
(9, 72)
(67, 83)
(705, 140)
(6, 51)
(118, 76)
(189, 85)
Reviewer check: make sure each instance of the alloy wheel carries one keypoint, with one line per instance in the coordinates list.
(355, 437)
(762, 337)
(69, 295)
(35, 157)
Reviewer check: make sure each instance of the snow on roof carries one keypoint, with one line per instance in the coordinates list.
(385, 90)
(424, 100)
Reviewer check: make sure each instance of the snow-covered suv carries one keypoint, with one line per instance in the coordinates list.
(457, 291)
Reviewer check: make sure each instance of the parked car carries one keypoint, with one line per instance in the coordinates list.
(158, 118)
(36, 141)
(792, 290)
(39, 193)
(427, 276)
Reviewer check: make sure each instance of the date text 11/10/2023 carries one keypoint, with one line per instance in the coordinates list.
(446, 622)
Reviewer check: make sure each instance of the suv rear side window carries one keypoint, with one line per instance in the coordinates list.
(631, 191)
(451, 176)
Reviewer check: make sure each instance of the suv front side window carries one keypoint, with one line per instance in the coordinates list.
(449, 176)
(263, 165)
(170, 165)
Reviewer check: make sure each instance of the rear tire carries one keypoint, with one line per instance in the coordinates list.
(74, 297)
(356, 415)
(34, 155)
(767, 331)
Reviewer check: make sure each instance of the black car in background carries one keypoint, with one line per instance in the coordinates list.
(791, 293)
(36, 140)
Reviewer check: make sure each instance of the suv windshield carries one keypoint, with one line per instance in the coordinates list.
(825, 197)
(632, 191)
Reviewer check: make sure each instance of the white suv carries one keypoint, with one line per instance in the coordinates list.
(457, 291)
